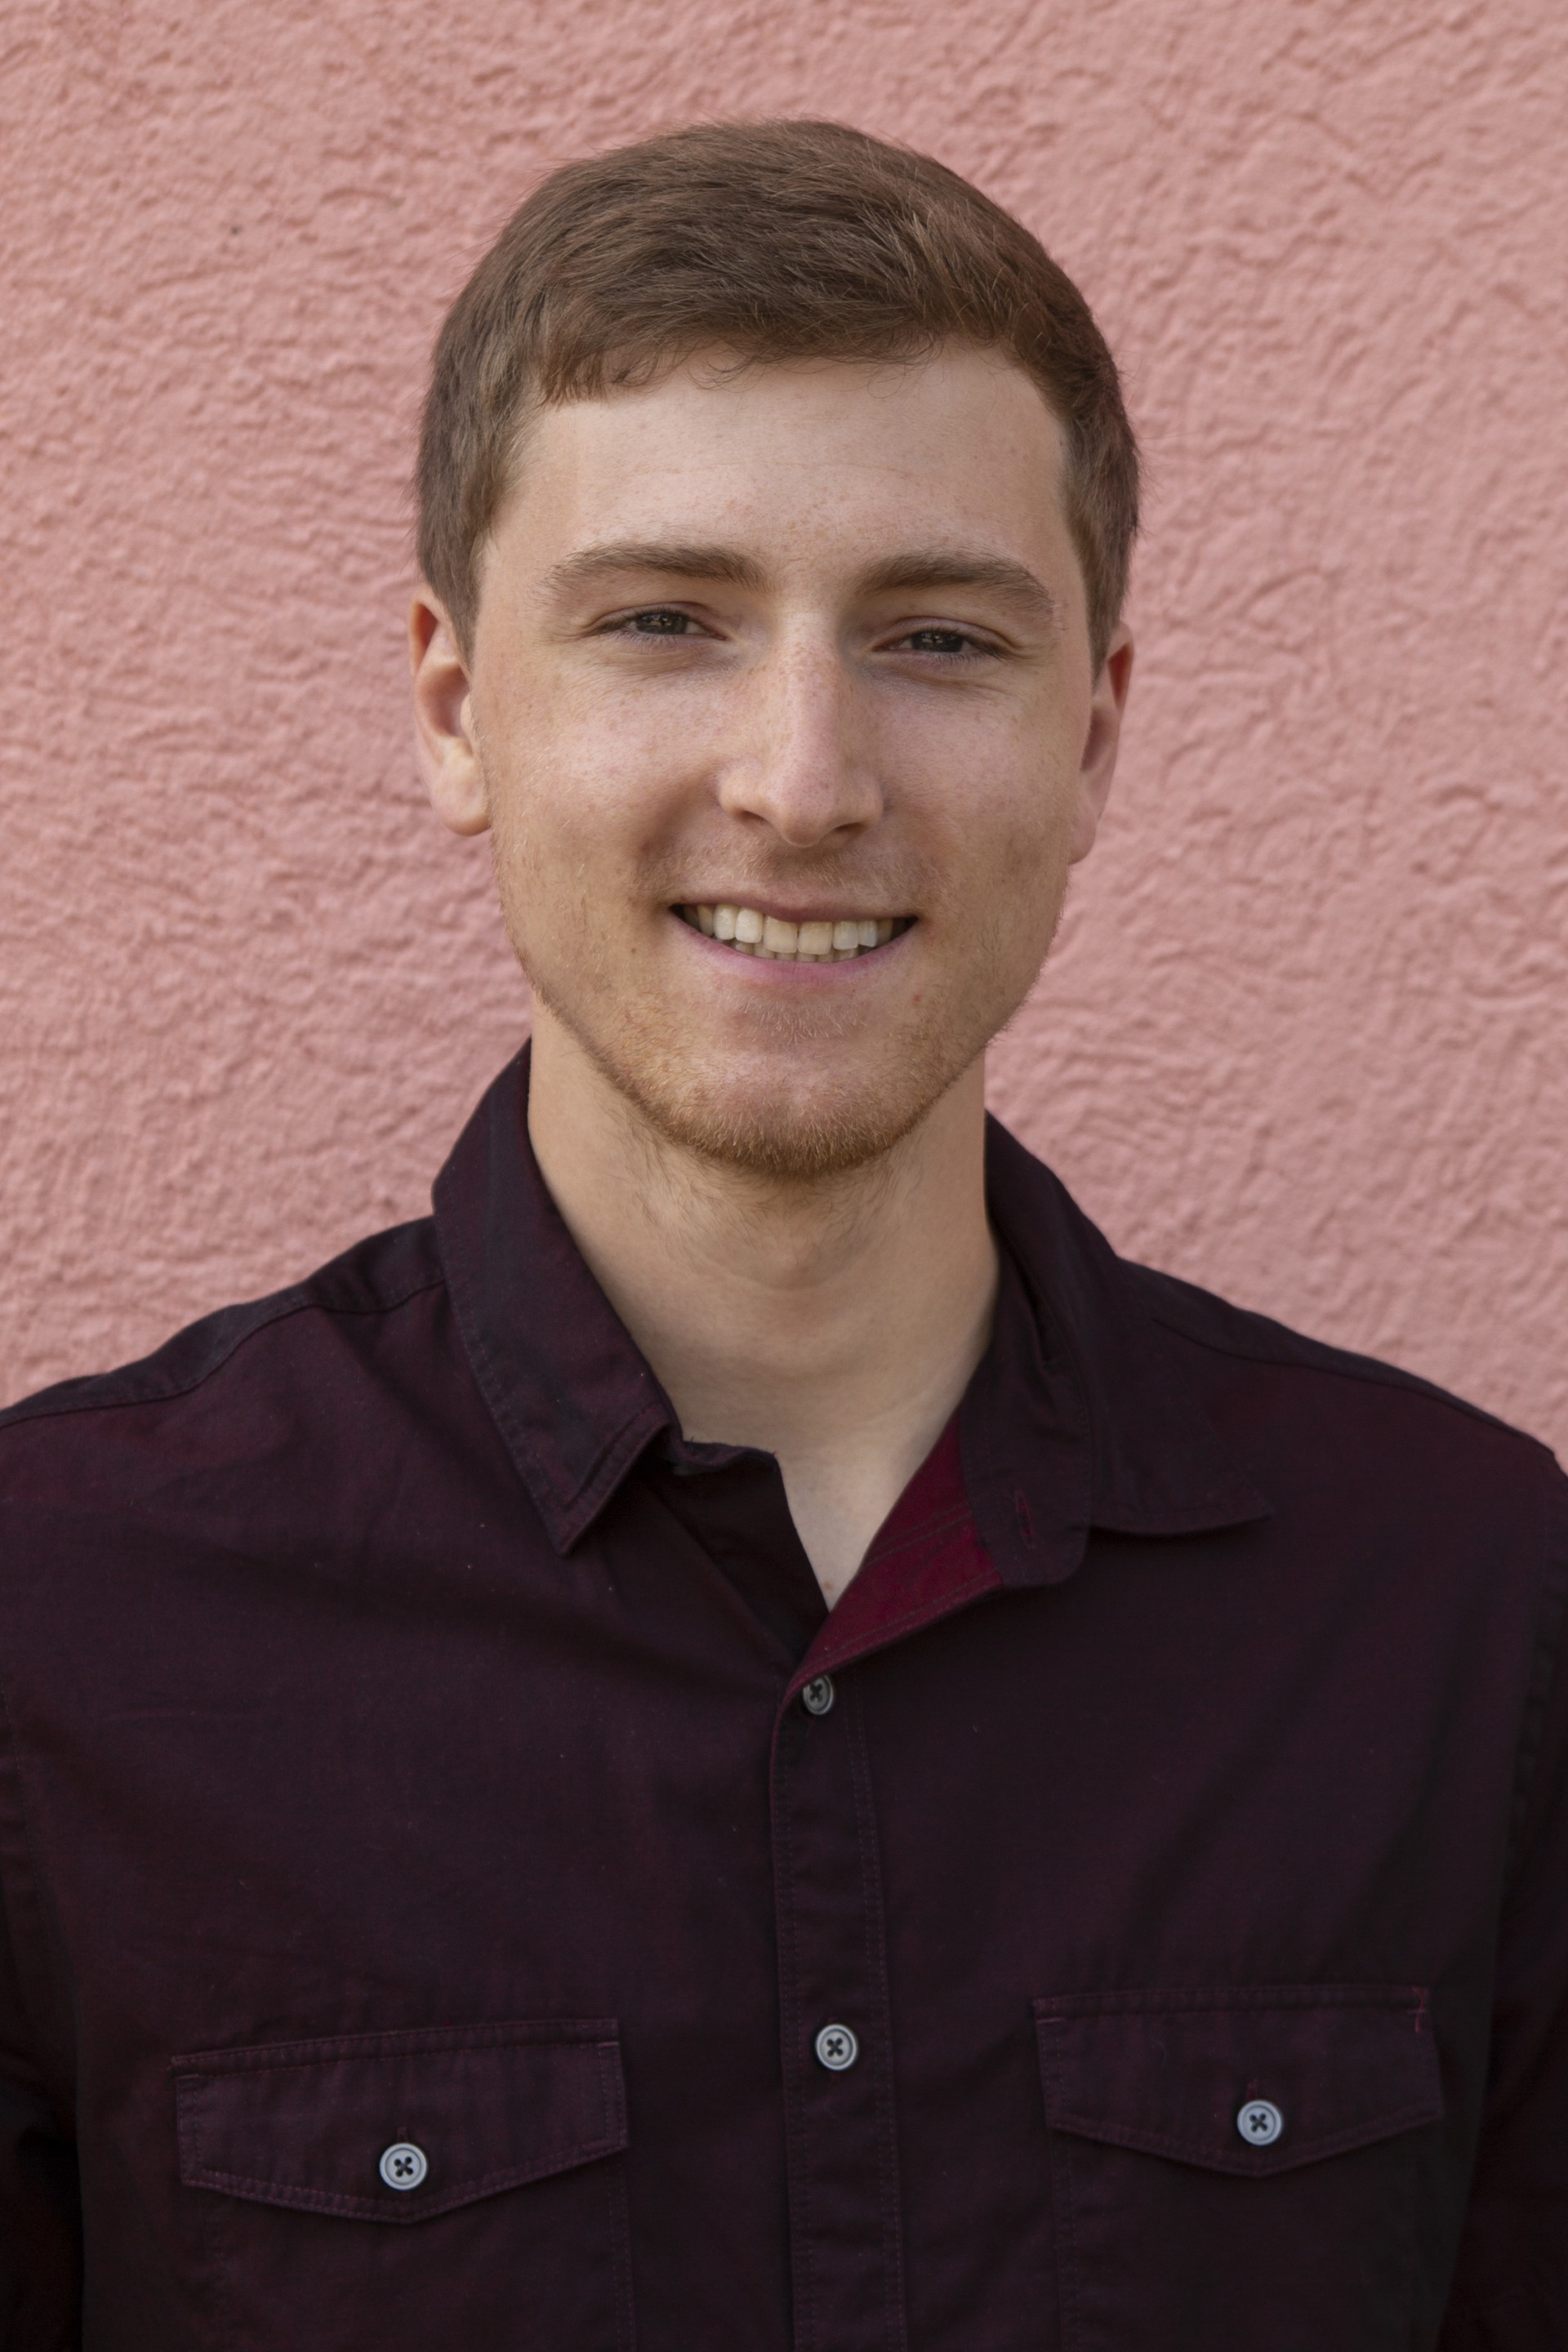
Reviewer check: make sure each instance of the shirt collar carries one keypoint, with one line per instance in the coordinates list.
(1078, 1417)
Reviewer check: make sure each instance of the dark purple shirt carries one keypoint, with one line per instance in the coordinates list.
(462, 1889)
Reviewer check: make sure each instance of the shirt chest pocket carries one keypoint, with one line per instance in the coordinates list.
(461, 2184)
(1236, 2167)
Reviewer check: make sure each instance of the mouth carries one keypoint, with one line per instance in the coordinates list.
(838, 939)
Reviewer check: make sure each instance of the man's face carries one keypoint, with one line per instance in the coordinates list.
(806, 644)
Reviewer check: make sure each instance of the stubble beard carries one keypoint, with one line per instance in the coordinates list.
(777, 1135)
(752, 1121)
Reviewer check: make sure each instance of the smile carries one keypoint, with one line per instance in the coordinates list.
(838, 940)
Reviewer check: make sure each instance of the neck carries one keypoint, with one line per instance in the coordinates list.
(834, 1324)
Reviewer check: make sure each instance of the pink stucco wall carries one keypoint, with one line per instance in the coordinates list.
(1305, 1037)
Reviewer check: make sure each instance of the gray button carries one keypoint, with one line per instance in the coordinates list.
(1259, 2123)
(818, 1696)
(836, 2048)
(403, 2164)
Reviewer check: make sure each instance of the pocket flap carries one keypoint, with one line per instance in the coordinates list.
(1254, 2080)
(400, 2127)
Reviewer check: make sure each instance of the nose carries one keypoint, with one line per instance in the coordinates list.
(805, 768)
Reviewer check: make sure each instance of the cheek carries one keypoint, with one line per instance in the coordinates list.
(597, 771)
(1015, 859)
(582, 841)
(1010, 832)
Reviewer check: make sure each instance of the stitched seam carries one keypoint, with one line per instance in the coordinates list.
(796, 2126)
(872, 1918)
(612, 2092)
(1544, 1667)
(495, 1389)
(19, 1414)
(615, 2187)
(1189, 1999)
(566, 2033)
(602, 1472)
(924, 1533)
(1187, 1518)
(610, 1464)
(1060, 2158)
(52, 2036)
(486, 1373)
(612, 2106)
(912, 1619)
(188, 2130)
(1054, 1330)
(1204, 2153)
(1368, 1370)
(492, 1386)
(332, 2200)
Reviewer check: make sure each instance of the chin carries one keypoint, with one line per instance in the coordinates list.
(781, 1126)
(794, 1144)
(761, 1119)
(795, 1110)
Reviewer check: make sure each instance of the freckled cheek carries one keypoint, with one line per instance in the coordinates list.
(563, 720)
(635, 759)
(581, 867)
(1008, 834)
(592, 782)
(1007, 881)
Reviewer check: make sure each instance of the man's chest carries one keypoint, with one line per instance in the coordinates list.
(1086, 1932)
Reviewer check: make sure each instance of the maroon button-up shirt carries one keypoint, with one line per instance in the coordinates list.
(462, 1889)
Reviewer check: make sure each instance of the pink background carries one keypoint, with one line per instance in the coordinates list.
(1304, 1039)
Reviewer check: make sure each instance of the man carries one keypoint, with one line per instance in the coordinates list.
(746, 1740)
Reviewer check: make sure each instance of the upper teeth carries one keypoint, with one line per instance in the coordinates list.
(766, 935)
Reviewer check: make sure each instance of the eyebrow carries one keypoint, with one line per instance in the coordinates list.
(673, 559)
(917, 568)
(963, 568)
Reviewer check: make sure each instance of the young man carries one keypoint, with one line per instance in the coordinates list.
(746, 1740)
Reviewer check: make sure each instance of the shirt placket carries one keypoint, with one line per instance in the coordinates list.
(836, 2024)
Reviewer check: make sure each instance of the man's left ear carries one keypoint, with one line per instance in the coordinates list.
(444, 718)
(1101, 740)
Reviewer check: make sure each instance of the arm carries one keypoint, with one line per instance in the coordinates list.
(1510, 2285)
(40, 2223)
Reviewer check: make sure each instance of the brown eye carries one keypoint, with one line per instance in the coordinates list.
(661, 623)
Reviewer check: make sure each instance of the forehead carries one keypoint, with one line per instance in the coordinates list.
(784, 458)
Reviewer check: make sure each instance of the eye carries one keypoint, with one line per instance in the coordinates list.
(666, 625)
(946, 643)
(659, 621)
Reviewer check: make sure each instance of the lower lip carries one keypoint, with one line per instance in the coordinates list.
(775, 972)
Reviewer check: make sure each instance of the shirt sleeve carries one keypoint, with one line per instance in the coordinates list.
(40, 2198)
(1510, 2285)
(41, 2205)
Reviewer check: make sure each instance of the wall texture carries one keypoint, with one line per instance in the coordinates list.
(1304, 1038)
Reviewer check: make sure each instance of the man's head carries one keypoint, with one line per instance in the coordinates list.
(776, 497)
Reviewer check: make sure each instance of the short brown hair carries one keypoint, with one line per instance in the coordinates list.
(773, 241)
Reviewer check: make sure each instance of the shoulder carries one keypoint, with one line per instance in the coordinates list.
(1319, 1412)
(239, 1367)
(1252, 1368)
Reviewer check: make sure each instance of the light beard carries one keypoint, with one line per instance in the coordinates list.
(771, 1136)
(769, 1130)
(754, 1125)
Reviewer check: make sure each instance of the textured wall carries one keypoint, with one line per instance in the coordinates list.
(1305, 1037)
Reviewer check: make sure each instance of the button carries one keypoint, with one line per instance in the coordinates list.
(818, 1696)
(836, 2048)
(1261, 2123)
(403, 2164)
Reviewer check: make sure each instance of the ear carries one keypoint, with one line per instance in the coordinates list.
(1102, 741)
(443, 717)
